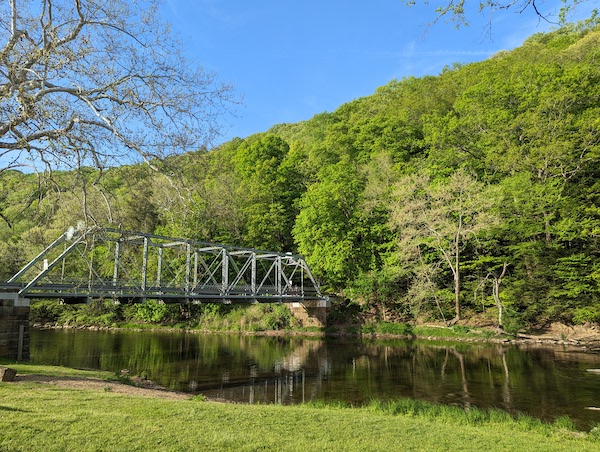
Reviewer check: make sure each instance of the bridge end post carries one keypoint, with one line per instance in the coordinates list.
(14, 326)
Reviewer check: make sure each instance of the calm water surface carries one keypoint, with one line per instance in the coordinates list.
(545, 382)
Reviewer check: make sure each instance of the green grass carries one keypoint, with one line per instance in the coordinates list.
(399, 329)
(456, 332)
(55, 371)
(37, 416)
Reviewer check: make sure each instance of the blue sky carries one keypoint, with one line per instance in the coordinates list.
(293, 59)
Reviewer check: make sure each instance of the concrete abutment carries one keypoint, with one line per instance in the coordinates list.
(312, 313)
(14, 327)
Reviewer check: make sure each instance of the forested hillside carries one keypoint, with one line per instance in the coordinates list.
(477, 190)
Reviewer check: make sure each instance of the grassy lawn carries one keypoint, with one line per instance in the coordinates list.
(36, 416)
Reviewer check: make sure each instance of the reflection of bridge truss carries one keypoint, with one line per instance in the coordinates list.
(124, 265)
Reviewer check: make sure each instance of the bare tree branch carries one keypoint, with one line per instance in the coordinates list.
(459, 11)
(98, 83)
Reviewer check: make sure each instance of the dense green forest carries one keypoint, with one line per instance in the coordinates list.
(469, 194)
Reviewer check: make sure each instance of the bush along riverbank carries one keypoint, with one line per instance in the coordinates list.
(256, 318)
(99, 416)
(152, 314)
(278, 319)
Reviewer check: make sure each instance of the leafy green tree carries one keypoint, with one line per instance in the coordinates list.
(326, 228)
(267, 192)
(443, 217)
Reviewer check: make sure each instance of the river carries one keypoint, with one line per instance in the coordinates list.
(545, 382)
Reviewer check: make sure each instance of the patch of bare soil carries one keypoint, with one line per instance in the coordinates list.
(143, 388)
(587, 334)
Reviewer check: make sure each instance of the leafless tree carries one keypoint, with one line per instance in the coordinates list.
(97, 83)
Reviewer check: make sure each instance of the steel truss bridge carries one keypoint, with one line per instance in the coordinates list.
(84, 264)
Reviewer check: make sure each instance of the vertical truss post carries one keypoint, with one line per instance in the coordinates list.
(145, 265)
(116, 269)
(278, 272)
(90, 263)
(188, 268)
(195, 268)
(225, 272)
(159, 269)
(253, 280)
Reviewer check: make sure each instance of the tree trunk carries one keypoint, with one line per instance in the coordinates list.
(456, 298)
(497, 282)
(456, 278)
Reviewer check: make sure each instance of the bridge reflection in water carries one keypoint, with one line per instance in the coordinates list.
(287, 383)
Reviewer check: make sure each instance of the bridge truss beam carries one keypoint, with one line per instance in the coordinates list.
(125, 265)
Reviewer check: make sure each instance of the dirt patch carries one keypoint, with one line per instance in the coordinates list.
(584, 336)
(559, 331)
(144, 388)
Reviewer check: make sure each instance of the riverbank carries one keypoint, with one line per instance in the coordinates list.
(277, 319)
(586, 337)
(95, 414)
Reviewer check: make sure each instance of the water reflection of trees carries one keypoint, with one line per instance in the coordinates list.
(295, 370)
(369, 369)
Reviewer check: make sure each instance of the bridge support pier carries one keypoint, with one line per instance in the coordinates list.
(312, 313)
(14, 327)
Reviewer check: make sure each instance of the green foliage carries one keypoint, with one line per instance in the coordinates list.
(325, 229)
(402, 329)
(46, 312)
(152, 311)
(512, 322)
(408, 200)
(456, 331)
(589, 314)
(278, 318)
(96, 313)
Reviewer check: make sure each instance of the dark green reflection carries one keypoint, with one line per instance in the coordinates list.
(543, 382)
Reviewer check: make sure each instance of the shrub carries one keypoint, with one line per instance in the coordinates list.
(587, 314)
(151, 311)
(276, 317)
(46, 311)
(367, 328)
(394, 328)
(512, 322)
(461, 329)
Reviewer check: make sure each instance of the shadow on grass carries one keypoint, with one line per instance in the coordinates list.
(8, 408)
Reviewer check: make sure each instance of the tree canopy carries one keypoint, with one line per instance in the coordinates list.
(474, 193)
